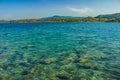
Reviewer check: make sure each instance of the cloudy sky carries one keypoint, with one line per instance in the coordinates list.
(22, 9)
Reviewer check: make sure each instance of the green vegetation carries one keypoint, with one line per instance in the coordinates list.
(87, 19)
(99, 18)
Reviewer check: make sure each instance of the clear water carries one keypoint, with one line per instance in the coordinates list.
(59, 51)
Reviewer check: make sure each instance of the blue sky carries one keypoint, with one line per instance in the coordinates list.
(22, 9)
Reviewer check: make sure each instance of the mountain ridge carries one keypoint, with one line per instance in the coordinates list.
(58, 16)
(115, 15)
(109, 16)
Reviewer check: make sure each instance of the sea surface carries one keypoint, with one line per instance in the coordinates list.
(60, 51)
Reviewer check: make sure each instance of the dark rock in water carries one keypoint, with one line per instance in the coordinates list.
(117, 77)
(9, 65)
(83, 66)
(1, 51)
(62, 77)
(77, 52)
(24, 64)
(114, 70)
(16, 52)
(29, 46)
(24, 47)
(5, 48)
(25, 72)
(116, 74)
(18, 79)
(19, 54)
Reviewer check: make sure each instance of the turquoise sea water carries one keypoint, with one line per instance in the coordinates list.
(60, 51)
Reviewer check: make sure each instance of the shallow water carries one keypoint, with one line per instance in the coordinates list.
(60, 51)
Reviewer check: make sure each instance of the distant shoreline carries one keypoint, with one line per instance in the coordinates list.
(87, 19)
(100, 18)
(59, 22)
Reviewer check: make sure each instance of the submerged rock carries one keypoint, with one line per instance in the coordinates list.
(70, 68)
(63, 77)
(47, 61)
(72, 57)
(4, 76)
(50, 60)
(33, 70)
(1, 68)
(25, 72)
(83, 60)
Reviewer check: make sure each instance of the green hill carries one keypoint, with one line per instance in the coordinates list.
(109, 16)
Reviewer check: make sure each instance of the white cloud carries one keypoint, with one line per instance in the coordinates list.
(81, 11)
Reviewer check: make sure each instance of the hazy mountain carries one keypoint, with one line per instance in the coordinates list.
(57, 16)
(116, 15)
